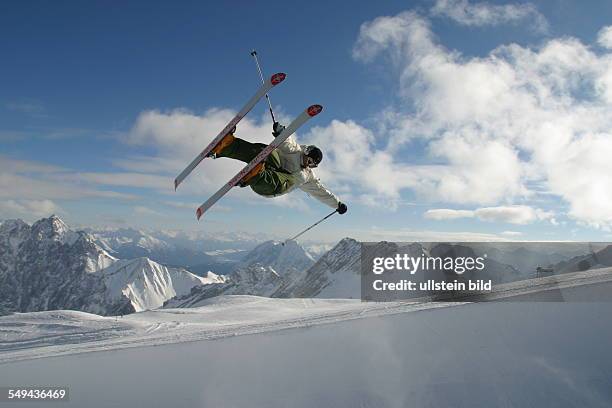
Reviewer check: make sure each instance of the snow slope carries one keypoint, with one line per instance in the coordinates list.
(53, 333)
(479, 355)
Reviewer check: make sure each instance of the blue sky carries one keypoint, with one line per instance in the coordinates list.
(102, 105)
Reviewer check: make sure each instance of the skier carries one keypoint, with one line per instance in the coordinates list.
(289, 166)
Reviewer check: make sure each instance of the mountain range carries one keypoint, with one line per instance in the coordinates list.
(48, 266)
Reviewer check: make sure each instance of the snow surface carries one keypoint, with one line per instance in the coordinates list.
(53, 333)
(477, 355)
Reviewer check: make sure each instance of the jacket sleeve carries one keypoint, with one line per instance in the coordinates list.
(314, 188)
(290, 145)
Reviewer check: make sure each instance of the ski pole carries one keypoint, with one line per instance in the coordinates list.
(312, 226)
(254, 54)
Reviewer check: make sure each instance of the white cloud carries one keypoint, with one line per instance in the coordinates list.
(29, 180)
(139, 180)
(494, 125)
(447, 214)
(28, 208)
(487, 14)
(512, 233)
(150, 164)
(184, 133)
(516, 214)
(9, 165)
(193, 205)
(478, 170)
(146, 211)
(406, 235)
(604, 37)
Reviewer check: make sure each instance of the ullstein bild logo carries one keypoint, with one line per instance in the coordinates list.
(404, 262)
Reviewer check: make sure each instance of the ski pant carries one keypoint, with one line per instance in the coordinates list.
(273, 180)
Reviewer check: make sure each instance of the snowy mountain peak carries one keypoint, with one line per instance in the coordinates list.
(212, 277)
(12, 234)
(53, 228)
(335, 274)
(48, 266)
(130, 236)
(282, 257)
(148, 284)
(346, 244)
(11, 225)
(268, 267)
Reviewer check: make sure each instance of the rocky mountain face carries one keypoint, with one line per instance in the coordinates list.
(525, 260)
(494, 270)
(47, 266)
(289, 271)
(262, 272)
(336, 274)
(148, 284)
(596, 259)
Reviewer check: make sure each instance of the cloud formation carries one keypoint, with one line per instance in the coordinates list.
(604, 37)
(30, 189)
(496, 126)
(516, 214)
(28, 208)
(487, 14)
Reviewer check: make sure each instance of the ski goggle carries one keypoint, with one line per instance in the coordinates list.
(313, 156)
(310, 162)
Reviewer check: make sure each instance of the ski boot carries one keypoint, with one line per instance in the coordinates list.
(226, 141)
(251, 174)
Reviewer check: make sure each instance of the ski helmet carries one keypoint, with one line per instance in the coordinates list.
(314, 153)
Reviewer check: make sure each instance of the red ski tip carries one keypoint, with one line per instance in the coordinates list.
(278, 78)
(314, 110)
(199, 213)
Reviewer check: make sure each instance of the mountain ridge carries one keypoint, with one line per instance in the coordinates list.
(48, 266)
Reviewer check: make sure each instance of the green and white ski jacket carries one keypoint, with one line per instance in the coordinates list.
(290, 153)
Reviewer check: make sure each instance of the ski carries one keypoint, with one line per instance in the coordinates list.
(263, 90)
(312, 110)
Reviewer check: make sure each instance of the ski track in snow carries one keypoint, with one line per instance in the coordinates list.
(26, 336)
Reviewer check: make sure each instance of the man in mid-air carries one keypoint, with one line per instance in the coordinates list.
(289, 166)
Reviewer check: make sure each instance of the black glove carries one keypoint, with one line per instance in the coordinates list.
(277, 129)
(341, 208)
